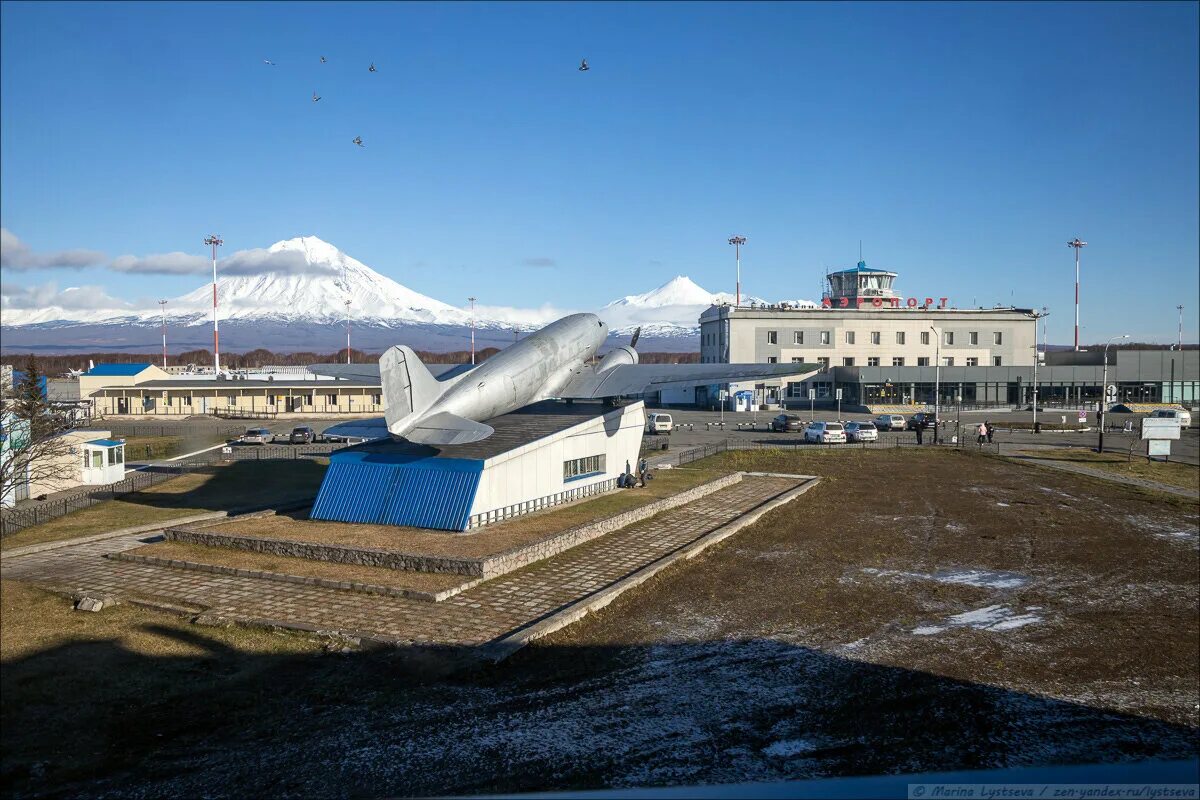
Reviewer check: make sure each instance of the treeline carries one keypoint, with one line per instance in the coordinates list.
(59, 364)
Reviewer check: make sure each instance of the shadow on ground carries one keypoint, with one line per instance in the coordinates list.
(95, 719)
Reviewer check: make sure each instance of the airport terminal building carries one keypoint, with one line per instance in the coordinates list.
(882, 348)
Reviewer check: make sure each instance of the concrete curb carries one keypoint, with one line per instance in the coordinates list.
(281, 577)
(17, 552)
(500, 649)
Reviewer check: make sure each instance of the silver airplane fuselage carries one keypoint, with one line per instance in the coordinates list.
(535, 368)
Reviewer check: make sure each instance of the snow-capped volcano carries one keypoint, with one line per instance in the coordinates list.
(672, 309)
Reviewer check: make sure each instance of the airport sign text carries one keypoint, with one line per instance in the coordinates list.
(880, 302)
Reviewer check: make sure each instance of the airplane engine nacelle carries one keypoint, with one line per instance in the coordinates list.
(621, 355)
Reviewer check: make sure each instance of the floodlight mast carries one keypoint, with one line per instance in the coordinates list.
(347, 331)
(1179, 308)
(163, 305)
(737, 242)
(216, 242)
(472, 301)
(1078, 245)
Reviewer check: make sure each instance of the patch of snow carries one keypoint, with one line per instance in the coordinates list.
(984, 579)
(988, 618)
(956, 527)
(1002, 505)
(790, 747)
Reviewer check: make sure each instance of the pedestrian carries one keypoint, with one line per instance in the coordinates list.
(642, 469)
(919, 428)
(983, 433)
(990, 430)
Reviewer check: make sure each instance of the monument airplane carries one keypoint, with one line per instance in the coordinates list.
(449, 404)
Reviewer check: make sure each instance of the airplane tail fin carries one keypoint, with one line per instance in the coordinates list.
(408, 386)
(447, 428)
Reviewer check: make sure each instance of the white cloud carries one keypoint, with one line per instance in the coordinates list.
(47, 295)
(521, 317)
(257, 261)
(15, 255)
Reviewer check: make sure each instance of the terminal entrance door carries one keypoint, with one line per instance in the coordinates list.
(122, 405)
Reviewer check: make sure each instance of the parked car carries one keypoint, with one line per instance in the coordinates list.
(922, 420)
(890, 422)
(787, 423)
(659, 423)
(1184, 417)
(861, 432)
(825, 433)
(302, 435)
(257, 436)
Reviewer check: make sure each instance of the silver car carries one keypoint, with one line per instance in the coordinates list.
(861, 432)
(890, 422)
(257, 436)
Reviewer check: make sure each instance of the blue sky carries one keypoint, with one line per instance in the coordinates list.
(964, 144)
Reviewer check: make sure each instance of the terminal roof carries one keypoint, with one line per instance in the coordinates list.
(113, 370)
(861, 267)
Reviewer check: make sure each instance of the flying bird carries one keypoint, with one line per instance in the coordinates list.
(358, 141)
(270, 63)
(316, 97)
(583, 67)
(372, 67)
(322, 59)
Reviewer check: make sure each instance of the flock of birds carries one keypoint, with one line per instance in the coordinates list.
(583, 67)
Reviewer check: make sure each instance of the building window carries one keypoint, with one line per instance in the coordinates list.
(897, 362)
(974, 337)
(876, 336)
(377, 398)
(849, 337)
(798, 337)
(949, 337)
(583, 467)
(972, 362)
(772, 337)
(922, 361)
(998, 338)
(772, 359)
(824, 362)
(899, 337)
(873, 361)
(824, 337)
(947, 361)
(270, 399)
(924, 337)
(185, 400)
(97, 459)
(331, 399)
(847, 362)
(797, 359)
(996, 361)
(308, 398)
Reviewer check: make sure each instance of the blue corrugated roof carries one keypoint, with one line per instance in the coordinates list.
(117, 369)
(859, 267)
(19, 378)
(106, 442)
(392, 489)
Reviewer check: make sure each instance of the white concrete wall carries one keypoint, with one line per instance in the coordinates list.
(535, 471)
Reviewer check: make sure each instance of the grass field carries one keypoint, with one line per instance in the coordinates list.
(1172, 472)
(918, 610)
(217, 488)
(147, 448)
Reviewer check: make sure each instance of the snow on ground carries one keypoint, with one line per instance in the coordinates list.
(988, 618)
(987, 579)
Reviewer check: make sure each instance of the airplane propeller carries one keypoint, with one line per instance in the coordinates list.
(636, 333)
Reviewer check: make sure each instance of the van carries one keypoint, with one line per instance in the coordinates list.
(1184, 417)
(659, 423)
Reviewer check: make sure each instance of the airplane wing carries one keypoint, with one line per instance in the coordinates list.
(369, 373)
(637, 378)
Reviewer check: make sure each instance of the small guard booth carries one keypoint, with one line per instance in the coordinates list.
(539, 456)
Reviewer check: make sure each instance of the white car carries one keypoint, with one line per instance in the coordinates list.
(257, 436)
(861, 432)
(891, 422)
(1184, 417)
(825, 433)
(659, 423)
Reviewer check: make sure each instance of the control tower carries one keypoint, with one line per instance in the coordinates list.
(860, 281)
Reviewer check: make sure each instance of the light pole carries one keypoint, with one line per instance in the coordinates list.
(347, 331)
(472, 299)
(216, 242)
(937, 379)
(1179, 308)
(1104, 392)
(1036, 316)
(163, 304)
(737, 242)
(1078, 245)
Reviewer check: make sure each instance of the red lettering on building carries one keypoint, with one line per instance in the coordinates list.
(826, 302)
(912, 302)
(942, 302)
(928, 302)
(877, 302)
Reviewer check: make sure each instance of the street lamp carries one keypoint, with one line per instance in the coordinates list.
(1104, 392)
(937, 379)
(163, 305)
(216, 242)
(1078, 245)
(1036, 316)
(472, 300)
(1179, 308)
(347, 331)
(737, 242)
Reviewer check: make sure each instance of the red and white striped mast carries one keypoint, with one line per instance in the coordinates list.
(1078, 245)
(163, 305)
(216, 242)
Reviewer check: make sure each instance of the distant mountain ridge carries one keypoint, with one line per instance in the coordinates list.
(300, 310)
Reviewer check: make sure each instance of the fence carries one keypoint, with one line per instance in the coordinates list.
(17, 519)
(154, 429)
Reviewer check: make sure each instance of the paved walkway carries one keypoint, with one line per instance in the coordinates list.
(1094, 472)
(477, 616)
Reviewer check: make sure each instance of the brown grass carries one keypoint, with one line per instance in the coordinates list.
(487, 541)
(1173, 473)
(218, 488)
(287, 565)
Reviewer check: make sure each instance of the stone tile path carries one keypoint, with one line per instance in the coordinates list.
(1095, 472)
(477, 616)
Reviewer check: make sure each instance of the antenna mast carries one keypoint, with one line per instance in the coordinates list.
(216, 242)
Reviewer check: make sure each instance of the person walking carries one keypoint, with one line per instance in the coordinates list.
(990, 430)
(642, 470)
(983, 433)
(919, 428)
